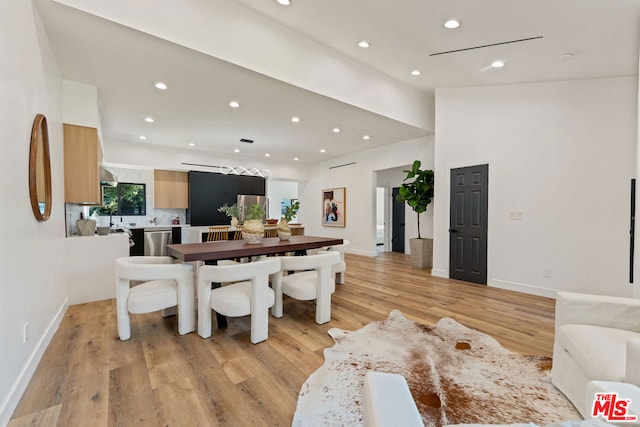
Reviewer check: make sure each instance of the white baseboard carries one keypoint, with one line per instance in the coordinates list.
(440, 273)
(524, 288)
(11, 402)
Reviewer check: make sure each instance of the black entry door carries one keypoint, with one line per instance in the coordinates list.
(397, 229)
(468, 224)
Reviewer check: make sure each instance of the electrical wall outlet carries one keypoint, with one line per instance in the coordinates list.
(546, 272)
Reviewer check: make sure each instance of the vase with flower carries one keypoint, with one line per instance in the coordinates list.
(232, 212)
(253, 228)
(284, 231)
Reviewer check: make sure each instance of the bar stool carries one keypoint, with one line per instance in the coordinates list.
(271, 231)
(218, 232)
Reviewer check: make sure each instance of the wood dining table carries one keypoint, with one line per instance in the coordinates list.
(211, 252)
(230, 249)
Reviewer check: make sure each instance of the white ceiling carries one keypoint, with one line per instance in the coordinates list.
(603, 35)
(123, 64)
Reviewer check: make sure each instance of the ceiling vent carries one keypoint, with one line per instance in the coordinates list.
(486, 45)
(248, 141)
(341, 166)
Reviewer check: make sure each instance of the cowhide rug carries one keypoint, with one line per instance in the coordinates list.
(455, 374)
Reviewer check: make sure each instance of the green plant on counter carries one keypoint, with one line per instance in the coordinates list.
(255, 212)
(291, 211)
(230, 211)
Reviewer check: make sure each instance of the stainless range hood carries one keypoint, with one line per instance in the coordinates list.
(107, 177)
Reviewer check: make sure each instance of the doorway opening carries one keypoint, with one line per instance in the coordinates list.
(382, 213)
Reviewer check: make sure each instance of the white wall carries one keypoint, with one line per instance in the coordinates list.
(561, 152)
(80, 104)
(32, 254)
(360, 182)
(636, 255)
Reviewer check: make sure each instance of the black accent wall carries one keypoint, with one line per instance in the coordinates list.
(208, 191)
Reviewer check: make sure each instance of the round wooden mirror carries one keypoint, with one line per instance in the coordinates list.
(40, 169)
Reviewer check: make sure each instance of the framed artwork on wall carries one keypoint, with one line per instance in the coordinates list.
(334, 207)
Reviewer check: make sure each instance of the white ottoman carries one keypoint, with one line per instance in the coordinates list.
(388, 402)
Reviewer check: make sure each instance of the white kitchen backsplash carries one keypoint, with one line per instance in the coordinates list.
(135, 176)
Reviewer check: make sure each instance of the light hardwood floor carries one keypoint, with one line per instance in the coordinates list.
(87, 377)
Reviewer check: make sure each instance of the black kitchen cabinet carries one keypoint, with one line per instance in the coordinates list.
(208, 191)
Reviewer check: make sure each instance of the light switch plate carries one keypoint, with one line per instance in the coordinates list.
(516, 215)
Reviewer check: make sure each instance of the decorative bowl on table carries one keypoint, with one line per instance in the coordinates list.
(103, 231)
(272, 221)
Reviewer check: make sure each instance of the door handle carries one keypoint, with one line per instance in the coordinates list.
(453, 230)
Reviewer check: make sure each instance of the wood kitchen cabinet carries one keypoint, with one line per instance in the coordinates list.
(82, 159)
(170, 189)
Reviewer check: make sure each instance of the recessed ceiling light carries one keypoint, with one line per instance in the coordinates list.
(237, 150)
(295, 119)
(284, 2)
(234, 104)
(161, 86)
(267, 155)
(296, 158)
(416, 73)
(336, 130)
(363, 44)
(567, 55)
(452, 24)
(149, 119)
(192, 144)
(366, 137)
(323, 150)
(497, 64)
(142, 137)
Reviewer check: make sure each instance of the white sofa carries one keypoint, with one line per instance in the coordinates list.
(597, 338)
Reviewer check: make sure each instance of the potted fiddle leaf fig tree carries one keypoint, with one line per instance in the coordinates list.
(417, 191)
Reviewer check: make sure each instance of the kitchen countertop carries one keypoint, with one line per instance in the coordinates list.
(73, 236)
(139, 226)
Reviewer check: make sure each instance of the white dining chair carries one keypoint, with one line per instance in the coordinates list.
(165, 285)
(251, 296)
(313, 282)
(340, 268)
